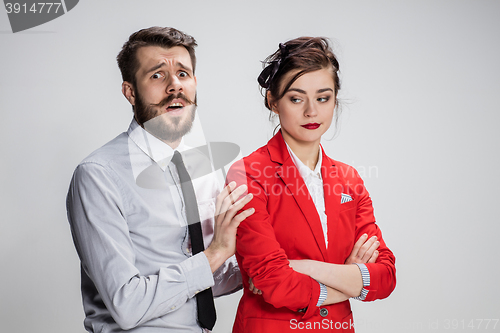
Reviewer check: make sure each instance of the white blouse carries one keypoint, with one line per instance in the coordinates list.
(314, 184)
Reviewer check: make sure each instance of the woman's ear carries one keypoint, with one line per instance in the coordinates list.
(272, 103)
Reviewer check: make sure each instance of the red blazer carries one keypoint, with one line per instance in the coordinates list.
(285, 226)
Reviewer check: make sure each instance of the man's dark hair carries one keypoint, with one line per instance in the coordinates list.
(154, 36)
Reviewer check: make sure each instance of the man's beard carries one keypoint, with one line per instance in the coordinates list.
(163, 126)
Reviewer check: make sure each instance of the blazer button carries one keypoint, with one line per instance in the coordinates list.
(323, 312)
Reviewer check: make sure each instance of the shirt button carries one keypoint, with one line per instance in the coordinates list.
(172, 308)
(323, 312)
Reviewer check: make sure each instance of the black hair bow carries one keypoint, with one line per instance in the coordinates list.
(267, 75)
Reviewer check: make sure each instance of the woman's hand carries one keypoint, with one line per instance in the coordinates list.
(364, 251)
(344, 278)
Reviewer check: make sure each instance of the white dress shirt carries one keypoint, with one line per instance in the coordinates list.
(128, 221)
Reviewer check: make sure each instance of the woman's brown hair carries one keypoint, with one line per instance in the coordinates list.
(305, 54)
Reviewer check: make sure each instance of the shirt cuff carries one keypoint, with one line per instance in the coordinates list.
(227, 278)
(198, 274)
(323, 293)
(365, 275)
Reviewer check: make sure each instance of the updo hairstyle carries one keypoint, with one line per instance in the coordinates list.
(306, 54)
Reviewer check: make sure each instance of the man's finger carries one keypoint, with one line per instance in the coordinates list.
(227, 202)
(242, 202)
(252, 288)
(236, 207)
(241, 216)
(222, 195)
(236, 194)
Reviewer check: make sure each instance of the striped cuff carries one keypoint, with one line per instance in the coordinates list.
(322, 294)
(365, 275)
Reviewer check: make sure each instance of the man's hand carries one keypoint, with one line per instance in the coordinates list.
(253, 289)
(223, 244)
(364, 251)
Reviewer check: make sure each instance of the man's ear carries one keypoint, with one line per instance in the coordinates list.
(272, 103)
(128, 92)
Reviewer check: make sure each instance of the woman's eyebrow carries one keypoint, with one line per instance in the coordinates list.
(297, 90)
(303, 92)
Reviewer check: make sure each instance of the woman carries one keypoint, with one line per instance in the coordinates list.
(311, 243)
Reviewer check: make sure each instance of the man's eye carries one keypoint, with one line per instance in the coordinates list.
(156, 76)
(183, 74)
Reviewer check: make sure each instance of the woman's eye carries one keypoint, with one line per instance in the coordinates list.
(323, 99)
(295, 100)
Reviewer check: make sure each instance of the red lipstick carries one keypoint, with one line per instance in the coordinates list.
(311, 126)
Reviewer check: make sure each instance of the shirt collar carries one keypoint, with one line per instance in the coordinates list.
(304, 169)
(156, 149)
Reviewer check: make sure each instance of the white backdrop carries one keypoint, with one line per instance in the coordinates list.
(420, 122)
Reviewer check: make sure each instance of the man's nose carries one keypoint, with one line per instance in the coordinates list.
(174, 86)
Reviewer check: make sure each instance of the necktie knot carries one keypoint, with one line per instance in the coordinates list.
(177, 159)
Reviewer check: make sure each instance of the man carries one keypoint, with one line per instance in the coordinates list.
(129, 210)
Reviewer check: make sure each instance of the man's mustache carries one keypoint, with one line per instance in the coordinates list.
(170, 98)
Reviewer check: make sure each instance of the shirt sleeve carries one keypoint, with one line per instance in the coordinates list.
(227, 278)
(97, 216)
(365, 275)
(323, 294)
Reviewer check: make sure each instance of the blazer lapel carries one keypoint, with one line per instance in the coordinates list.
(333, 186)
(296, 188)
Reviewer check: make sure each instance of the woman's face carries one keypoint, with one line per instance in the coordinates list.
(306, 109)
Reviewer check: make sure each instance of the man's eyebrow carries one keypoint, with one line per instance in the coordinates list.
(160, 65)
(155, 67)
(187, 68)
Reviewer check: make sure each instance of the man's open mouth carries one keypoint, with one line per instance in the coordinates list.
(175, 106)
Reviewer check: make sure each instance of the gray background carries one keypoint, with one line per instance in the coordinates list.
(420, 122)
